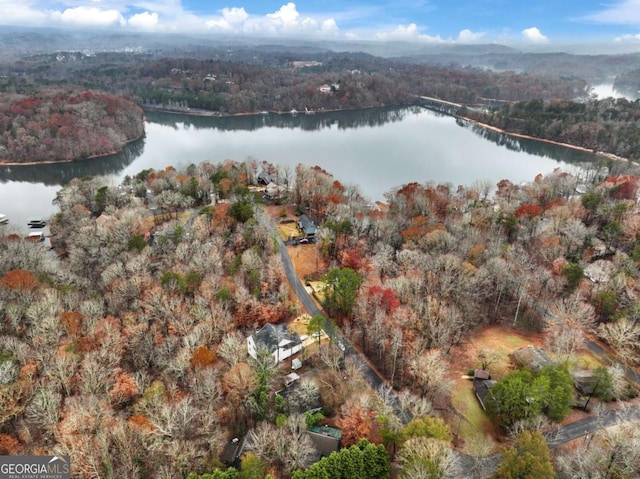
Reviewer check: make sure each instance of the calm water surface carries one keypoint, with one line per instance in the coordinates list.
(377, 149)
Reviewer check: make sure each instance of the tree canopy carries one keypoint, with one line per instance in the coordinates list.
(361, 460)
(523, 395)
(528, 459)
(341, 290)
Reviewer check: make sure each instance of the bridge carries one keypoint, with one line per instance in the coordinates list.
(442, 106)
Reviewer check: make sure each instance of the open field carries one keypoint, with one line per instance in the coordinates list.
(470, 420)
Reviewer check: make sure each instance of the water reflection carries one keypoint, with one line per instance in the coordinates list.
(526, 145)
(376, 149)
(343, 119)
(56, 174)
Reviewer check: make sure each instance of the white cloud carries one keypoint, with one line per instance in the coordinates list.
(628, 38)
(232, 18)
(89, 17)
(407, 33)
(284, 21)
(21, 13)
(622, 12)
(533, 35)
(467, 36)
(144, 21)
(287, 15)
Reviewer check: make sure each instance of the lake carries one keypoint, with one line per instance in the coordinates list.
(377, 149)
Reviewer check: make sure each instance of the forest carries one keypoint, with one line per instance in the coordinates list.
(253, 81)
(54, 125)
(127, 349)
(608, 125)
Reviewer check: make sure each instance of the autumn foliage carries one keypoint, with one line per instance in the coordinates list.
(64, 125)
(19, 280)
(203, 357)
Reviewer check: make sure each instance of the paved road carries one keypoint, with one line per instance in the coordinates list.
(370, 374)
(471, 467)
(595, 348)
(592, 424)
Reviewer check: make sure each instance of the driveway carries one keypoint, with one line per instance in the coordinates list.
(470, 466)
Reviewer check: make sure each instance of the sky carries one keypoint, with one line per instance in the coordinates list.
(532, 22)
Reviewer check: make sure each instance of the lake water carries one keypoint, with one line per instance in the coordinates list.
(377, 149)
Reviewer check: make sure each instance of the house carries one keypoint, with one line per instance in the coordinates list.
(324, 88)
(325, 439)
(307, 226)
(531, 357)
(264, 178)
(274, 192)
(583, 381)
(233, 452)
(278, 341)
(481, 389)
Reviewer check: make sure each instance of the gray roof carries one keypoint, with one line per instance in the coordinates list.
(307, 225)
(272, 335)
(481, 388)
(531, 357)
(325, 439)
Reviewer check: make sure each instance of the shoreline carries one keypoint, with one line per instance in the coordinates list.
(59, 162)
(213, 114)
(602, 154)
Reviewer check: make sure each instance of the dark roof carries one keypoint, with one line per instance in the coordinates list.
(270, 335)
(531, 357)
(583, 381)
(307, 225)
(481, 374)
(266, 178)
(481, 388)
(233, 451)
(325, 439)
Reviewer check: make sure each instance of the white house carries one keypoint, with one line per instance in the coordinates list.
(276, 339)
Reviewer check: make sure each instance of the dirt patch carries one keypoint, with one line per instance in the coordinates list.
(307, 260)
(500, 340)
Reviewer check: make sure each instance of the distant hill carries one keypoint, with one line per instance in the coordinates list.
(65, 125)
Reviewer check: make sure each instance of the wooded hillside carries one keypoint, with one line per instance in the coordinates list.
(65, 125)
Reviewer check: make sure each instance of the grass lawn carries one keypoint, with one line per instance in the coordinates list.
(500, 341)
(288, 230)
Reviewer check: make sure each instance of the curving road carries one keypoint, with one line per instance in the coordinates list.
(471, 467)
(370, 374)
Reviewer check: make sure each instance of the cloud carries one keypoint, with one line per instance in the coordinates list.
(467, 36)
(89, 17)
(628, 38)
(533, 35)
(287, 20)
(625, 12)
(144, 21)
(232, 18)
(407, 33)
(21, 13)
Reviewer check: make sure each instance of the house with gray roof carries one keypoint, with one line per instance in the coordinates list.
(531, 357)
(325, 440)
(307, 226)
(276, 339)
